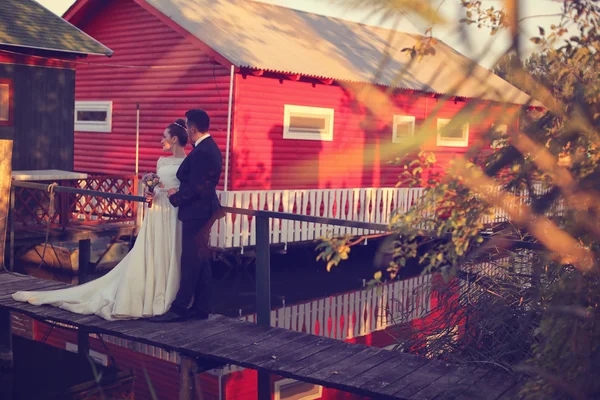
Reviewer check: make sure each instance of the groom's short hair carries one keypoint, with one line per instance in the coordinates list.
(198, 118)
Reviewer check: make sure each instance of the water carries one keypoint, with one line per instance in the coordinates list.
(42, 371)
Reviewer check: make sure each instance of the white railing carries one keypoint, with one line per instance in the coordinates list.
(357, 313)
(373, 205)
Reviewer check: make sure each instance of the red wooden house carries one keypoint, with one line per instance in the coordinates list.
(306, 122)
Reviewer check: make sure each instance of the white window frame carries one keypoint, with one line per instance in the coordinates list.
(308, 134)
(94, 126)
(496, 128)
(8, 103)
(283, 382)
(396, 121)
(463, 142)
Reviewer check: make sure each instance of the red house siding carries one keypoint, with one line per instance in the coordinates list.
(362, 139)
(159, 69)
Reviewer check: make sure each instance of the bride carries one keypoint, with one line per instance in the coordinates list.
(146, 281)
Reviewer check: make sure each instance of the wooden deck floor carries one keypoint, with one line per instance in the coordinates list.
(328, 362)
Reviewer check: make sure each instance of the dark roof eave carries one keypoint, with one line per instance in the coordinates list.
(533, 103)
(108, 53)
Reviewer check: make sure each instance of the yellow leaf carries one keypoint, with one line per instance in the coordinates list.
(329, 265)
(377, 275)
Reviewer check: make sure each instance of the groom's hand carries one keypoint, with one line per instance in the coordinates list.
(171, 192)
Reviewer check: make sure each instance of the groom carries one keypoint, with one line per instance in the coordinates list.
(199, 207)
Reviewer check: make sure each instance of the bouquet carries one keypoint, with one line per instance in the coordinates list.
(151, 180)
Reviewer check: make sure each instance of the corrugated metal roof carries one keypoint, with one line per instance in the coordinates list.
(274, 38)
(26, 23)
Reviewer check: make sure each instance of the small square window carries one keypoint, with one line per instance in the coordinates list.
(290, 389)
(6, 102)
(404, 127)
(458, 137)
(93, 116)
(307, 123)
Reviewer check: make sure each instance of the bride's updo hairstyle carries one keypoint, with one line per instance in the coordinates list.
(178, 129)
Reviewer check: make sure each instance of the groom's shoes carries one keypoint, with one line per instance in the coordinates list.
(169, 316)
(197, 314)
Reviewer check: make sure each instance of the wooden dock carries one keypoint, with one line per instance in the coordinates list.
(354, 368)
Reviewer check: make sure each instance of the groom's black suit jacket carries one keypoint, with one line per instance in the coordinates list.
(199, 175)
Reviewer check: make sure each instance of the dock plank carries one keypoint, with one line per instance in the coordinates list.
(442, 384)
(493, 385)
(354, 365)
(387, 372)
(419, 379)
(267, 348)
(462, 385)
(296, 356)
(301, 356)
(272, 355)
(333, 356)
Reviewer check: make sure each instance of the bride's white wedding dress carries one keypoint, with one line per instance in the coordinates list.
(146, 281)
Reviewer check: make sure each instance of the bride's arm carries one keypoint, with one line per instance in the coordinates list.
(147, 193)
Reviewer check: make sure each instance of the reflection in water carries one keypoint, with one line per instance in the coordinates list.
(357, 313)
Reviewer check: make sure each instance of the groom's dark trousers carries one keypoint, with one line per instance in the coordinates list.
(199, 207)
(196, 276)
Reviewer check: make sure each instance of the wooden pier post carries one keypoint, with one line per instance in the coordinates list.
(6, 354)
(83, 343)
(187, 370)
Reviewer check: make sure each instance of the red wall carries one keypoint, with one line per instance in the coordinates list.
(182, 78)
(362, 139)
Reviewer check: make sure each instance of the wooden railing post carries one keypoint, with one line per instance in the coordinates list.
(135, 207)
(13, 218)
(6, 146)
(85, 250)
(263, 292)
(64, 206)
(263, 271)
